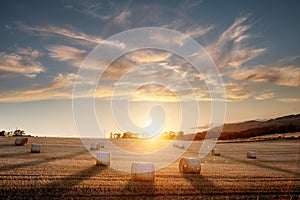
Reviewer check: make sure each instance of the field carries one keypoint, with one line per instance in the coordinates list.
(66, 170)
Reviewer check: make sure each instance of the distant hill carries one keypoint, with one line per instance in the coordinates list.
(286, 124)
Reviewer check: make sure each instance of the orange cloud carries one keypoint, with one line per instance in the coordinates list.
(59, 88)
(280, 75)
(23, 62)
(148, 56)
(69, 34)
(238, 91)
(230, 50)
(264, 96)
(67, 53)
(289, 100)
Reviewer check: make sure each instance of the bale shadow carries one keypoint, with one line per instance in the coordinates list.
(261, 165)
(37, 162)
(74, 179)
(2, 146)
(145, 190)
(62, 188)
(202, 185)
(9, 155)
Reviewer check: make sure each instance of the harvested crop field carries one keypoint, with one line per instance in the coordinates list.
(66, 170)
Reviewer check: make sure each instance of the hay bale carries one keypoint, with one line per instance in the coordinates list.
(21, 141)
(251, 154)
(180, 146)
(189, 166)
(143, 171)
(101, 144)
(215, 152)
(35, 148)
(103, 158)
(97, 146)
(174, 145)
(94, 147)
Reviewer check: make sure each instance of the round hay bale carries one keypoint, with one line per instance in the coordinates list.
(174, 145)
(97, 146)
(103, 158)
(101, 145)
(94, 147)
(180, 146)
(35, 148)
(189, 166)
(215, 152)
(251, 154)
(21, 141)
(143, 171)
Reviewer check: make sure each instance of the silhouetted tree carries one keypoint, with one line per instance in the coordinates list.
(2, 133)
(18, 133)
(117, 135)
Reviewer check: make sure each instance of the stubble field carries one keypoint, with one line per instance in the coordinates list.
(66, 170)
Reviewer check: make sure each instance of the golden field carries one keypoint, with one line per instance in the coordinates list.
(66, 170)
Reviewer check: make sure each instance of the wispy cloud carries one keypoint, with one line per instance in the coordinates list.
(199, 31)
(22, 62)
(149, 56)
(194, 32)
(29, 52)
(264, 96)
(68, 34)
(192, 3)
(153, 92)
(93, 9)
(59, 88)
(289, 100)
(122, 18)
(52, 30)
(236, 91)
(231, 50)
(280, 75)
(67, 53)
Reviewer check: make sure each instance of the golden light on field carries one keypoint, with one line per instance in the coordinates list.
(141, 145)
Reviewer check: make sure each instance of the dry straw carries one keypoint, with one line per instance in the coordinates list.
(35, 148)
(189, 166)
(251, 154)
(143, 171)
(103, 158)
(21, 141)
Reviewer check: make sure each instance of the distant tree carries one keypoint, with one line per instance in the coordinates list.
(2, 133)
(18, 132)
(129, 135)
(168, 135)
(111, 135)
(117, 135)
(180, 133)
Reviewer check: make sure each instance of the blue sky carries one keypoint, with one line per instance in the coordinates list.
(255, 45)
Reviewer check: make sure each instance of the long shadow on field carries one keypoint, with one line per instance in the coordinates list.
(139, 189)
(9, 155)
(261, 165)
(37, 162)
(7, 145)
(62, 188)
(202, 185)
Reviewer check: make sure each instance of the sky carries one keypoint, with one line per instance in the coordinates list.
(255, 46)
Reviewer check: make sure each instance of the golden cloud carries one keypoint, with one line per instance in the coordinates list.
(23, 62)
